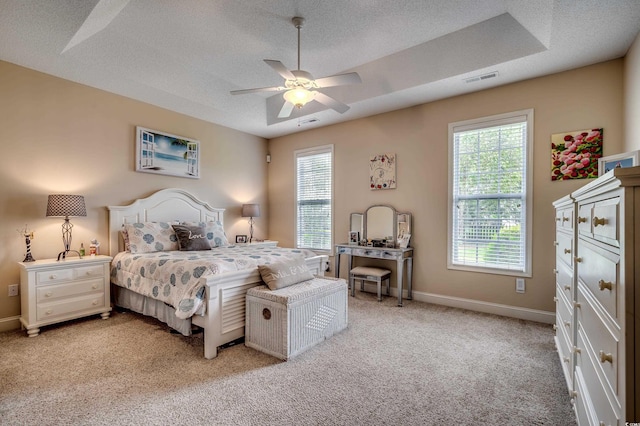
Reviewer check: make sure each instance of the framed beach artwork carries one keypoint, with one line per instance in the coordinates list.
(382, 171)
(574, 155)
(628, 159)
(167, 154)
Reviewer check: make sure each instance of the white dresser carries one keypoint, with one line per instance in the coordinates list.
(54, 291)
(598, 333)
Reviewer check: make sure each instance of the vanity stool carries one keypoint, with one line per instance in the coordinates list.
(366, 273)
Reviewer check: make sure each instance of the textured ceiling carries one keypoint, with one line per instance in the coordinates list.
(188, 55)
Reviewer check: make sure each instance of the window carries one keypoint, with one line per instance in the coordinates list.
(490, 194)
(314, 193)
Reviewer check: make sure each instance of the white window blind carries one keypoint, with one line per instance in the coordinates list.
(490, 194)
(314, 192)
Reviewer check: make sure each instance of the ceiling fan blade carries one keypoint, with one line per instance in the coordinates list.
(280, 69)
(259, 89)
(331, 103)
(286, 110)
(339, 80)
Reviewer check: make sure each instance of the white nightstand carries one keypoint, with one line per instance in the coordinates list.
(53, 291)
(268, 243)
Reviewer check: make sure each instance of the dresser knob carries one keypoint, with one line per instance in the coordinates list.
(557, 219)
(599, 221)
(576, 305)
(555, 299)
(577, 350)
(49, 294)
(555, 271)
(95, 286)
(567, 324)
(555, 327)
(53, 277)
(566, 359)
(555, 243)
(582, 219)
(49, 312)
(604, 357)
(567, 287)
(567, 251)
(573, 394)
(95, 302)
(605, 285)
(578, 259)
(565, 219)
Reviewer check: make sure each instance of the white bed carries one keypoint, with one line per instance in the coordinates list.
(224, 317)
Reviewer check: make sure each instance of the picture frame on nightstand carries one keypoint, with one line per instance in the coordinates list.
(241, 239)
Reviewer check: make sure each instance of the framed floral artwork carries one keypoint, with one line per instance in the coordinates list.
(382, 171)
(574, 155)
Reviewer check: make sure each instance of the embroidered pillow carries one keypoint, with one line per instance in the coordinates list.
(214, 232)
(283, 274)
(191, 238)
(149, 237)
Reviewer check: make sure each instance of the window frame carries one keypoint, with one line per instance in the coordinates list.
(487, 122)
(323, 149)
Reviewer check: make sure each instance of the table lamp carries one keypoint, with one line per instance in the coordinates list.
(65, 206)
(251, 211)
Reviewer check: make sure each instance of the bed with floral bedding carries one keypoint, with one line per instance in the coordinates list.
(172, 261)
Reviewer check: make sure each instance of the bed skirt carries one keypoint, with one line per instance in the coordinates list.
(128, 299)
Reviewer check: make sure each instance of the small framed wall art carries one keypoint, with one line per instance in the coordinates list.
(574, 155)
(627, 159)
(166, 154)
(382, 171)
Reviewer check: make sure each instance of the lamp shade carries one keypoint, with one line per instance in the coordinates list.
(251, 210)
(299, 96)
(66, 205)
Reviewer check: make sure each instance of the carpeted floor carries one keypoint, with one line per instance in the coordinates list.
(417, 365)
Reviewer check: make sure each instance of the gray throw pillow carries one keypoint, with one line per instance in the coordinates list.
(283, 274)
(191, 238)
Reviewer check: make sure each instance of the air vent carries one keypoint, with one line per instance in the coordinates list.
(481, 77)
(307, 121)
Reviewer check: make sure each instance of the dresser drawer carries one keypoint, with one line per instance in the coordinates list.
(564, 218)
(564, 343)
(52, 310)
(564, 311)
(605, 221)
(51, 276)
(598, 342)
(86, 272)
(589, 384)
(599, 271)
(49, 293)
(585, 214)
(564, 248)
(564, 279)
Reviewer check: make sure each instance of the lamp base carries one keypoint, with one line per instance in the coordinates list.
(63, 254)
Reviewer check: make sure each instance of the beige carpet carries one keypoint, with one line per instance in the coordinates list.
(417, 365)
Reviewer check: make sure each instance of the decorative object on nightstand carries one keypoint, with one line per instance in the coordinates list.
(53, 291)
(251, 211)
(59, 205)
(28, 236)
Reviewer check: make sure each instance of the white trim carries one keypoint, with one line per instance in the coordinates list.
(526, 314)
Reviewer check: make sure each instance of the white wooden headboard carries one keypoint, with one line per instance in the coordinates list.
(165, 205)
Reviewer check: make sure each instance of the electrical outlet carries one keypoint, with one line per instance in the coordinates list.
(14, 289)
(519, 285)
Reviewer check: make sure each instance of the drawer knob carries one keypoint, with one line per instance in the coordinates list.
(53, 276)
(573, 394)
(567, 287)
(48, 294)
(582, 219)
(606, 357)
(577, 350)
(599, 221)
(565, 219)
(555, 243)
(567, 324)
(567, 251)
(94, 286)
(95, 302)
(576, 305)
(88, 272)
(605, 285)
(578, 259)
(555, 327)
(566, 359)
(557, 219)
(49, 312)
(555, 299)
(555, 271)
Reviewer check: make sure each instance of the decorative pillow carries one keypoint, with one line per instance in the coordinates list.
(191, 238)
(283, 274)
(149, 237)
(125, 239)
(214, 232)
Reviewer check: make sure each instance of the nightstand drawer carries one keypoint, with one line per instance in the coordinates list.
(53, 276)
(64, 307)
(88, 272)
(53, 292)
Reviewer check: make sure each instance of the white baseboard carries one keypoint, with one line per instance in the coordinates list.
(475, 305)
(9, 323)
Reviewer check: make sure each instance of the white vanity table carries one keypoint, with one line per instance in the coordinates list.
(400, 255)
(380, 223)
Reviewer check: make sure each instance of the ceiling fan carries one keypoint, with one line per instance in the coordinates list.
(300, 86)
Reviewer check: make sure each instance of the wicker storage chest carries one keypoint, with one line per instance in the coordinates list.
(290, 320)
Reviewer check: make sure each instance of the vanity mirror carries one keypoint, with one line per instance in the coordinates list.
(381, 225)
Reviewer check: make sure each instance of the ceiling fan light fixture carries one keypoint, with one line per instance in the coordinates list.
(299, 97)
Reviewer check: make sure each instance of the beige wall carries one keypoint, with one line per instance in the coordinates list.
(583, 98)
(632, 98)
(62, 137)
